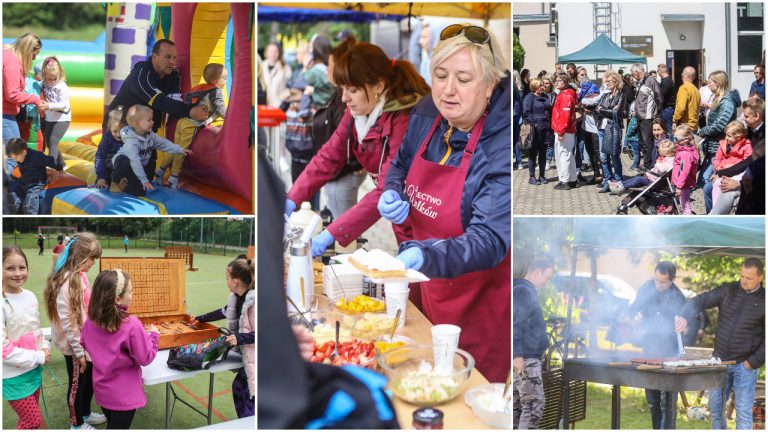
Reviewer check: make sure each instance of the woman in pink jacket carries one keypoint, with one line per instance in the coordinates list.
(379, 93)
(17, 63)
(119, 346)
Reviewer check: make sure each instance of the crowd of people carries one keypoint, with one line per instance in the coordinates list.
(568, 121)
(657, 315)
(126, 158)
(439, 157)
(104, 347)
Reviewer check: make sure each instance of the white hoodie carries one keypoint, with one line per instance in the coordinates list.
(57, 96)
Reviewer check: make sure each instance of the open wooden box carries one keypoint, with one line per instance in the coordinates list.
(159, 298)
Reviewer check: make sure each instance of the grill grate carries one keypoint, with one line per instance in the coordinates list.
(553, 396)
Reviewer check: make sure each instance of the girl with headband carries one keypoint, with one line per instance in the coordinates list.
(119, 347)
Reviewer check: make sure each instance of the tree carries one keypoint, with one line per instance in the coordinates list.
(58, 15)
(518, 53)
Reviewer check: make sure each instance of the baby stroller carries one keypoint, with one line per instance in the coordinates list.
(656, 198)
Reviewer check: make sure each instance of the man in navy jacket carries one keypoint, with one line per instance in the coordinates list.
(529, 344)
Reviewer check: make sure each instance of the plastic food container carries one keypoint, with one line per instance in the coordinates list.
(486, 402)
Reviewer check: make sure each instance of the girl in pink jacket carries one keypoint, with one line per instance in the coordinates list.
(119, 346)
(240, 313)
(685, 166)
(733, 150)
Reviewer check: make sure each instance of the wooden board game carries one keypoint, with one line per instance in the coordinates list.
(183, 252)
(159, 297)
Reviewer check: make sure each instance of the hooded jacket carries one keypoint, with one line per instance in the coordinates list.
(374, 152)
(530, 331)
(685, 167)
(718, 118)
(138, 149)
(741, 322)
(564, 112)
(486, 197)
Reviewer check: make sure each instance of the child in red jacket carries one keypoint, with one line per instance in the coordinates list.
(734, 149)
(685, 167)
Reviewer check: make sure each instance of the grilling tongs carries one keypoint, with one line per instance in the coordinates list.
(680, 347)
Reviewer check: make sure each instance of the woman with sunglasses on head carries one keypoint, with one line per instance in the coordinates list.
(451, 181)
(379, 93)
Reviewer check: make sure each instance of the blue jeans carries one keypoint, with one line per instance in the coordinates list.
(742, 381)
(10, 130)
(657, 403)
(611, 166)
(666, 117)
(635, 146)
(579, 147)
(705, 175)
(31, 204)
(516, 141)
(705, 170)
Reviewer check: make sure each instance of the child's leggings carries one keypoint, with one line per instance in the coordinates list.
(28, 410)
(53, 132)
(80, 390)
(245, 405)
(185, 133)
(685, 201)
(119, 419)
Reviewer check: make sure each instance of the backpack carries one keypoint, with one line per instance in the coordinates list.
(198, 93)
(199, 356)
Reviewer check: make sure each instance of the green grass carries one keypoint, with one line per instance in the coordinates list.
(206, 291)
(85, 33)
(634, 410)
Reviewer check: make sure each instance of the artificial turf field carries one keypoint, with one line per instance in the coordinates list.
(206, 291)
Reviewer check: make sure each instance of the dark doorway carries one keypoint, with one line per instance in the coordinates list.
(677, 60)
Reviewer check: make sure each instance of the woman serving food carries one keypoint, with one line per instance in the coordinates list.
(450, 181)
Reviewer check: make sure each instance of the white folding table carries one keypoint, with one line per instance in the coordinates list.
(158, 372)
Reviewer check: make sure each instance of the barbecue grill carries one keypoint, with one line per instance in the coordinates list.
(620, 372)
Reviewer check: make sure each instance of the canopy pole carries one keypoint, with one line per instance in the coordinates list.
(567, 335)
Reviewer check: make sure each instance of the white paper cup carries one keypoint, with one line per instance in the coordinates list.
(445, 339)
(397, 298)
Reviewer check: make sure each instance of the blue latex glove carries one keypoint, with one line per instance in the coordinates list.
(321, 242)
(290, 206)
(413, 258)
(392, 207)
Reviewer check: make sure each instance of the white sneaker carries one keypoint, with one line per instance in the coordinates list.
(173, 181)
(547, 166)
(96, 419)
(85, 426)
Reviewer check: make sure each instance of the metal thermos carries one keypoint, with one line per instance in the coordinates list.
(300, 267)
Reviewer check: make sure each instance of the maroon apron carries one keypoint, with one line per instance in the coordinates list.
(478, 302)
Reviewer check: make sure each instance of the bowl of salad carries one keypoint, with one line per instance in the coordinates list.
(414, 378)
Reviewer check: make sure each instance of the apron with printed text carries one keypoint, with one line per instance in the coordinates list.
(478, 302)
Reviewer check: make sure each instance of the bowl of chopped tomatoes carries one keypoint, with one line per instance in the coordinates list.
(355, 352)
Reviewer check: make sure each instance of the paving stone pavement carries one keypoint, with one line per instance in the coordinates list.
(545, 200)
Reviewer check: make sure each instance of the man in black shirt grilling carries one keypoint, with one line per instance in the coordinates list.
(740, 336)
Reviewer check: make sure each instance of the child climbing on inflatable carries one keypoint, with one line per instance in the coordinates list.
(34, 175)
(108, 148)
(131, 165)
(209, 95)
(59, 114)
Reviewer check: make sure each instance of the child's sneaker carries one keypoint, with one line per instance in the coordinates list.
(84, 426)
(159, 175)
(95, 419)
(173, 181)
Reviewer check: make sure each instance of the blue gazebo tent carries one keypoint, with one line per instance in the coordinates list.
(602, 51)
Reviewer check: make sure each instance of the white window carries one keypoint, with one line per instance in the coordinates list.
(749, 30)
